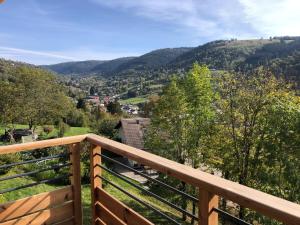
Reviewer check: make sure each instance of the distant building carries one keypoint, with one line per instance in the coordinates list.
(93, 99)
(131, 131)
(106, 100)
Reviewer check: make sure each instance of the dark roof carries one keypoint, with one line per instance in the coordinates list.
(133, 131)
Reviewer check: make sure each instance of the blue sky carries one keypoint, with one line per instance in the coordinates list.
(52, 31)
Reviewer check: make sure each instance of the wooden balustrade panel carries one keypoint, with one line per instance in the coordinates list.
(45, 217)
(44, 208)
(107, 216)
(118, 209)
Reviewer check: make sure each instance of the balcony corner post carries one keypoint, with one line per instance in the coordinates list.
(207, 202)
(95, 170)
(74, 150)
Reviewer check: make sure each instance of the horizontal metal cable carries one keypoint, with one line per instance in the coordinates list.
(152, 179)
(150, 193)
(34, 184)
(140, 201)
(35, 172)
(32, 161)
(225, 215)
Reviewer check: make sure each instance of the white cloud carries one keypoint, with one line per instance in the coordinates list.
(19, 52)
(273, 17)
(215, 19)
(44, 57)
(204, 18)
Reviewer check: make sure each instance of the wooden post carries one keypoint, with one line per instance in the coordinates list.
(74, 150)
(95, 160)
(207, 201)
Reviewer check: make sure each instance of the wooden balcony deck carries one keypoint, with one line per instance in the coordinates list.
(63, 206)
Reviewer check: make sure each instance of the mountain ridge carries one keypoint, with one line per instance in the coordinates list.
(150, 60)
(281, 54)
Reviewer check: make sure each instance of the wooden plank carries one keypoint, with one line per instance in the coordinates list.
(274, 207)
(41, 144)
(34, 203)
(122, 211)
(99, 222)
(75, 178)
(45, 217)
(95, 160)
(107, 216)
(207, 202)
(69, 221)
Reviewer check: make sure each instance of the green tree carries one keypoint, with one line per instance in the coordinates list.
(32, 96)
(182, 116)
(182, 119)
(251, 143)
(114, 107)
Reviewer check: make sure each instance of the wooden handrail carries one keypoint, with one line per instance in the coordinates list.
(210, 186)
(7, 149)
(269, 205)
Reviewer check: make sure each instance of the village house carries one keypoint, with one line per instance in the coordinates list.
(93, 99)
(131, 132)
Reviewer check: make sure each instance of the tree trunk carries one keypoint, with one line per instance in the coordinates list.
(30, 124)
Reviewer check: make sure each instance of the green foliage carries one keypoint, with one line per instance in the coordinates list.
(257, 138)
(33, 96)
(243, 127)
(81, 104)
(7, 159)
(62, 128)
(133, 101)
(106, 127)
(154, 59)
(77, 118)
(182, 117)
(114, 108)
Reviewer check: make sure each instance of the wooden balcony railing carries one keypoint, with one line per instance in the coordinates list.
(63, 206)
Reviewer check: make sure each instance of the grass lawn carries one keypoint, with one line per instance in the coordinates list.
(156, 86)
(77, 131)
(39, 130)
(133, 101)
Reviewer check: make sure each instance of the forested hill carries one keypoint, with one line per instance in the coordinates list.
(78, 67)
(152, 60)
(281, 54)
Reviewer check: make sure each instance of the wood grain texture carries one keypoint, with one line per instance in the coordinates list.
(119, 209)
(22, 207)
(274, 207)
(75, 178)
(69, 221)
(41, 144)
(207, 202)
(95, 161)
(107, 216)
(45, 217)
(99, 222)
